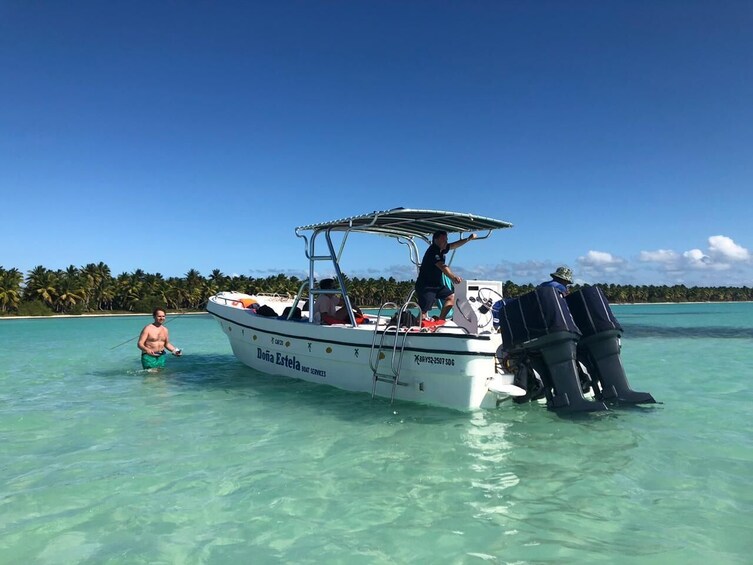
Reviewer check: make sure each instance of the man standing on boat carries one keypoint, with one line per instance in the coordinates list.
(154, 342)
(429, 285)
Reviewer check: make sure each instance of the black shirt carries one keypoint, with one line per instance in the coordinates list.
(429, 275)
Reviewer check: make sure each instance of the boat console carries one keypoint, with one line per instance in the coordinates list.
(473, 305)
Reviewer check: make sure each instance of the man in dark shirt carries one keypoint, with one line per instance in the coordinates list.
(429, 284)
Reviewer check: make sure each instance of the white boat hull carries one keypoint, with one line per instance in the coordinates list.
(447, 368)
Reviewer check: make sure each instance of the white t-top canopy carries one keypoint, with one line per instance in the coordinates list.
(405, 222)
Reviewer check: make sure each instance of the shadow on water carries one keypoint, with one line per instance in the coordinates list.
(719, 332)
(672, 313)
(614, 411)
(223, 372)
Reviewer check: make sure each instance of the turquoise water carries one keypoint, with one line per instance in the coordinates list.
(211, 462)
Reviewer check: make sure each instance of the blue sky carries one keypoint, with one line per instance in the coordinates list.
(616, 136)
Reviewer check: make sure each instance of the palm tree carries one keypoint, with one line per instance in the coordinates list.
(68, 298)
(104, 291)
(41, 284)
(216, 282)
(71, 289)
(194, 288)
(219, 279)
(154, 287)
(127, 290)
(10, 288)
(90, 278)
(174, 295)
(96, 281)
(92, 286)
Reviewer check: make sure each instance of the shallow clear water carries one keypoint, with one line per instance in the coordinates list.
(211, 462)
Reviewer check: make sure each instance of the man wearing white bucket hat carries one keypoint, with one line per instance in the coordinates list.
(561, 278)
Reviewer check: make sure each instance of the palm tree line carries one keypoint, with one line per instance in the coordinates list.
(92, 288)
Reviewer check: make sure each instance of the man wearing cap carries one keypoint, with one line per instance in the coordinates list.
(561, 278)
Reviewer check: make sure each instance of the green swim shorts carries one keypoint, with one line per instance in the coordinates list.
(150, 362)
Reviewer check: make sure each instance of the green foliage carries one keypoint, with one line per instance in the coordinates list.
(34, 308)
(147, 304)
(92, 288)
(77, 309)
(10, 289)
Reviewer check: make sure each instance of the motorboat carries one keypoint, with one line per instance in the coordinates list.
(470, 361)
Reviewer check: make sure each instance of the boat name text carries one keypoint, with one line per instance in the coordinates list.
(288, 361)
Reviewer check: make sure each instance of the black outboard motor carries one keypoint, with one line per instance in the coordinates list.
(538, 330)
(599, 348)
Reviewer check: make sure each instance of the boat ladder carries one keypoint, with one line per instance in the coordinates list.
(377, 353)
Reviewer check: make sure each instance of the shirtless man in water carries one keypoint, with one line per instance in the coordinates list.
(154, 342)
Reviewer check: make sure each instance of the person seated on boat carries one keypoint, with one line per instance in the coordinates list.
(327, 309)
(429, 284)
(561, 279)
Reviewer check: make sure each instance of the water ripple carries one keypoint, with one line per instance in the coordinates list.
(211, 462)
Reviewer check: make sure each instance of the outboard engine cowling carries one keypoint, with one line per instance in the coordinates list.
(599, 348)
(537, 329)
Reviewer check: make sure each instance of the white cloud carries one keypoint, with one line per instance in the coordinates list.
(697, 266)
(722, 254)
(696, 258)
(600, 260)
(599, 266)
(723, 248)
(658, 256)
(722, 251)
